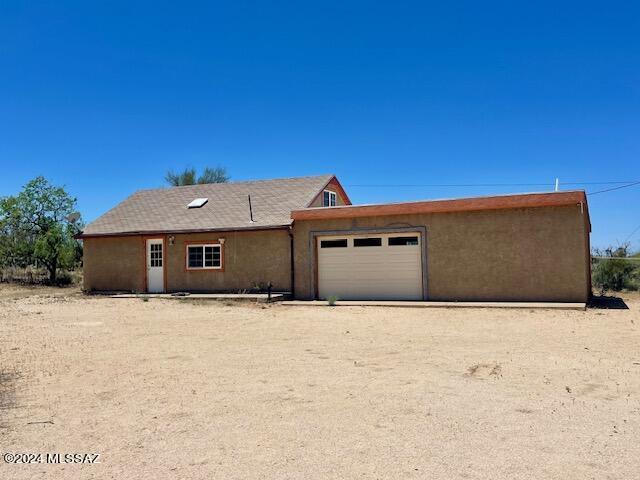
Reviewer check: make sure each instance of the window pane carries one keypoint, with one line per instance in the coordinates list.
(212, 256)
(333, 243)
(396, 241)
(329, 199)
(195, 257)
(155, 255)
(367, 242)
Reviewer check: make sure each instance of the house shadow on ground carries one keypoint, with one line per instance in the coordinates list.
(607, 302)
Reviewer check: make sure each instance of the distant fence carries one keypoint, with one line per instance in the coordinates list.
(23, 275)
(32, 275)
(631, 259)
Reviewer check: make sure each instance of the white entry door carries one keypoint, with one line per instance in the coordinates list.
(371, 267)
(155, 265)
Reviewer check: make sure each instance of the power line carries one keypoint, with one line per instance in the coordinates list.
(632, 234)
(597, 183)
(450, 185)
(615, 188)
(624, 183)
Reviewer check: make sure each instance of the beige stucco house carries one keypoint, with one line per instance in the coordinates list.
(303, 235)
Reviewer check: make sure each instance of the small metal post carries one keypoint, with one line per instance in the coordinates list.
(269, 287)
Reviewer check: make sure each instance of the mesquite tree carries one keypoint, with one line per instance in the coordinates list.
(189, 177)
(36, 225)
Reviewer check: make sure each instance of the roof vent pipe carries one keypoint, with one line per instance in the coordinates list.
(250, 209)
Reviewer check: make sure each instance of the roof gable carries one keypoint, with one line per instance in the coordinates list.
(227, 208)
(334, 185)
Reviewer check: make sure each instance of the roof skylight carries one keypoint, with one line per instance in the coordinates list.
(197, 203)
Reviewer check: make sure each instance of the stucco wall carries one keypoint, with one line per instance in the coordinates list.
(250, 259)
(114, 263)
(332, 187)
(536, 254)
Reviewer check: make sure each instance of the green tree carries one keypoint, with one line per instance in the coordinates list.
(15, 246)
(189, 176)
(37, 225)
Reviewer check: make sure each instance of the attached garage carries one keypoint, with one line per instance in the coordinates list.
(373, 265)
(529, 247)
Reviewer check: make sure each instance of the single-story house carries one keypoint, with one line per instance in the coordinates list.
(303, 235)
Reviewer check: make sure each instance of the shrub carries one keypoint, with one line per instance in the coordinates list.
(615, 273)
(332, 299)
(63, 279)
(260, 287)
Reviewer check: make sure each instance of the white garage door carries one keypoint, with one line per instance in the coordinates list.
(370, 267)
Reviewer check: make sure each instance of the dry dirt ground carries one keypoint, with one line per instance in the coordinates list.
(170, 389)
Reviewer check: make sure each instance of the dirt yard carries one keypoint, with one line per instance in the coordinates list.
(176, 389)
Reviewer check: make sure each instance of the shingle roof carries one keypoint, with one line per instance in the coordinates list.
(165, 209)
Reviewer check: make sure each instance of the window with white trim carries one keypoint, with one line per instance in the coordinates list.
(204, 257)
(329, 198)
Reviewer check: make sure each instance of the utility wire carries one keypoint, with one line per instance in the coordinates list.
(632, 234)
(597, 183)
(490, 184)
(451, 185)
(619, 186)
(614, 188)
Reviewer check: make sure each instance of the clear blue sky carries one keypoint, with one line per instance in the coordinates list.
(104, 97)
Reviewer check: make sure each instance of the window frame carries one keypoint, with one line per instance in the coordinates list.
(333, 195)
(203, 245)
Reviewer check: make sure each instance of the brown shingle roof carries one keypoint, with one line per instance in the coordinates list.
(165, 209)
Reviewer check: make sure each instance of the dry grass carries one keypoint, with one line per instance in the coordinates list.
(38, 276)
(173, 389)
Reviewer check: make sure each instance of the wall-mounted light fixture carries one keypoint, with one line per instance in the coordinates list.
(221, 240)
(172, 239)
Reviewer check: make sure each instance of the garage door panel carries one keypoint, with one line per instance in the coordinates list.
(370, 267)
(381, 271)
